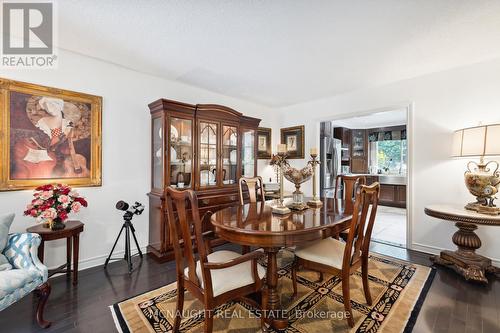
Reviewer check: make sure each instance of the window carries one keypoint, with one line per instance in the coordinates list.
(388, 156)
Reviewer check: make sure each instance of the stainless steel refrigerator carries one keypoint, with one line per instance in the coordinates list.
(330, 167)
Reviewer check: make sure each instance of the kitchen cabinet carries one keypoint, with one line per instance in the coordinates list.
(371, 179)
(392, 195)
(359, 151)
(400, 198)
(386, 193)
(358, 165)
(344, 135)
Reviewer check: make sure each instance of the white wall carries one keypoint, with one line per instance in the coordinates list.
(442, 102)
(126, 146)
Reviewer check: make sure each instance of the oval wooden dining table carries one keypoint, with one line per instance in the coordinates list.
(254, 224)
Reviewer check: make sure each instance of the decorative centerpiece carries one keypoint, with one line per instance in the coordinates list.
(315, 202)
(52, 203)
(297, 177)
(281, 162)
(483, 179)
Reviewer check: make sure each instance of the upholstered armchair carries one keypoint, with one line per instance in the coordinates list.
(27, 274)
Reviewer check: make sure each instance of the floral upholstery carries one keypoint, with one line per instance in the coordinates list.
(27, 271)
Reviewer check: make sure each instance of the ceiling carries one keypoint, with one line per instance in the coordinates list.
(374, 120)
(282, 52)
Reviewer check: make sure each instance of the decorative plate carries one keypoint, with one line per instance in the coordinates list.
(174, 135)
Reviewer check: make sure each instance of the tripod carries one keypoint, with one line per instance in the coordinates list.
(128, 226)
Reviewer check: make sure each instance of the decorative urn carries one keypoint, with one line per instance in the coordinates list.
(482, 179)
(297, 177)
(483, 183)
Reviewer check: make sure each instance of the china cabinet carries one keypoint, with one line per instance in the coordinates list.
(204, 147)
(359, 151)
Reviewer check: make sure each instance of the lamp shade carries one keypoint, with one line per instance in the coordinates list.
(477, 141)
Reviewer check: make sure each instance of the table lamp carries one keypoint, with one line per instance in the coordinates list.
(482, 179)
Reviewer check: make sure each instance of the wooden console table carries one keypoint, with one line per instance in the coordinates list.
(72, 235)
(465, 260)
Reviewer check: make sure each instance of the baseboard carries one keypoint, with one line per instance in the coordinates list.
(99, 260)
(436, 250)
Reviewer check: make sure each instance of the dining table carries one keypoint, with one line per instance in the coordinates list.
(254, 224)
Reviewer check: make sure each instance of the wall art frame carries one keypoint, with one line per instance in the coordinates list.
(48, 135)
(293, 137)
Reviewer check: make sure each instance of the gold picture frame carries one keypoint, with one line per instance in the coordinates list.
(293, 137)
(48, 135)
(264, 143)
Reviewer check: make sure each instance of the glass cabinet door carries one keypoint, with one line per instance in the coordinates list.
(157, 158)
(358, 143)
(208, 154)
(229, 155)
(248, 153)
(181, 152)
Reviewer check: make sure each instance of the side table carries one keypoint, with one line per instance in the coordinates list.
(72, 235)
(465, 260)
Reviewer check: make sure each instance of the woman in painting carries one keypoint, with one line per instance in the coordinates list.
(51, 154)
(54, 124)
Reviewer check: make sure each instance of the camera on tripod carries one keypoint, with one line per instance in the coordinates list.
(136, 209)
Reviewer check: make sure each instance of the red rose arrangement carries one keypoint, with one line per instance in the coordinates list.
(53, 202)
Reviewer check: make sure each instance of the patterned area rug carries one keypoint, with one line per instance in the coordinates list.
(397, 288)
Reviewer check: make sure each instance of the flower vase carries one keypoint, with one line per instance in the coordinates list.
(57, 224)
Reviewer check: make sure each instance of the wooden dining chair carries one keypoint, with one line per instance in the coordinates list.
(216, 277)
(255, 188)
(350, 184)
(336, 257)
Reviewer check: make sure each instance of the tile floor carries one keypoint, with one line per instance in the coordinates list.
(390, 226)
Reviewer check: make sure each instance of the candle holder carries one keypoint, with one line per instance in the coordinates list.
(315, 202)
(281, 208)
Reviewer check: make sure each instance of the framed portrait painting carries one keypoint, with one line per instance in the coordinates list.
(293, 137)
(264, 143)
(50, 136)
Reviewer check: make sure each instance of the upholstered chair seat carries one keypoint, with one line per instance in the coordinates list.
(333, 256)
(223, 280)
(16, 283)
(328, 251)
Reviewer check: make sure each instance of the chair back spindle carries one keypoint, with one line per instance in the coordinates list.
(255, 188)
(364, 212)
(186, 231)
(351, 185)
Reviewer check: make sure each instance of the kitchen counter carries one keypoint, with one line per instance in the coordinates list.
(383, 178)
(392, 188)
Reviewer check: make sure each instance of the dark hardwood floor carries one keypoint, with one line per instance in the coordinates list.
(452, 305)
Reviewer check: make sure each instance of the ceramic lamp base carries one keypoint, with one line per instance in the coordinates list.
(315, 203)
(477, 207)
(281, 210)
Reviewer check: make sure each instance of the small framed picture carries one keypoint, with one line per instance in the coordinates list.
(293, 137)
(264, 143)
